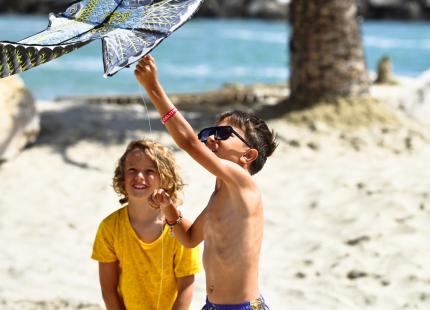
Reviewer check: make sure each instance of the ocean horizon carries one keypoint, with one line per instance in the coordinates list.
(204, 54)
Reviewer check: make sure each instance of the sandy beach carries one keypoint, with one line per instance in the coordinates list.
(347, 222)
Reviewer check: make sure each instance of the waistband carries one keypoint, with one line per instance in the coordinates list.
(256, 304)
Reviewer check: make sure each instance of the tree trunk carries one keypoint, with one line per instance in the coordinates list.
(327, 58)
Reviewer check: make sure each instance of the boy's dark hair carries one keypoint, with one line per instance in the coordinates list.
(257, 134)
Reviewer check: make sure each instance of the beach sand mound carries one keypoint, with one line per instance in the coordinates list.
(360, 123)
(347, 113)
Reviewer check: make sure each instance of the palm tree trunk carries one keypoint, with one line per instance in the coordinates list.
(327, 58)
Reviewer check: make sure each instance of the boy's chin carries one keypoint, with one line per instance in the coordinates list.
(142, 198)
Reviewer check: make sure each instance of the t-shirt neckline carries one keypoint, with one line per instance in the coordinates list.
(147, 245)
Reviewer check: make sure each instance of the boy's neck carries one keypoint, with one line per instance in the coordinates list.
(143, 213)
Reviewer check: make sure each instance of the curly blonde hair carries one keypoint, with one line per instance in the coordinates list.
(164, 160)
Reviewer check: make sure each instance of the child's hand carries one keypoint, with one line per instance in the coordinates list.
(146, 71)
(160, 199)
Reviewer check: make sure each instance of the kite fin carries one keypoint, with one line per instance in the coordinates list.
(16, 57)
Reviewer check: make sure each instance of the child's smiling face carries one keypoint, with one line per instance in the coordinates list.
(141, 176)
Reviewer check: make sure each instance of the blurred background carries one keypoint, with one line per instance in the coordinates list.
(235, 41)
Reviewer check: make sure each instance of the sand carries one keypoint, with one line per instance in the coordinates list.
(347, 222)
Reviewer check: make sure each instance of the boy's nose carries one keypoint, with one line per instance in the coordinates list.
(211, 140)
(212, 137)
(140, 175)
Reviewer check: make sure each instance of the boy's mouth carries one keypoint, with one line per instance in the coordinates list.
(139, 186)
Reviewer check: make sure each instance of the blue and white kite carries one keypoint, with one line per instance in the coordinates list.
(129, 29)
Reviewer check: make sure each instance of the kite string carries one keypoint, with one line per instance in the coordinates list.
(162, 267)
(146, 111)
(142, 95)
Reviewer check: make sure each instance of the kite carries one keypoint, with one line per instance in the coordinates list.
(129, 29)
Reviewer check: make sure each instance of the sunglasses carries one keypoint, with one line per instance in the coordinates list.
(220, 133)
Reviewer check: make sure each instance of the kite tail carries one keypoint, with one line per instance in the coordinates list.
(16, 58)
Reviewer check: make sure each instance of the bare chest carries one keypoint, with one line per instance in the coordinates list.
(228, 219)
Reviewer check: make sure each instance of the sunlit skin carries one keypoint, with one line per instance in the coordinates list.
(233, 230)
(231, 225)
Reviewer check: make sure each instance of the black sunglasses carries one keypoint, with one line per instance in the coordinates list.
(220, 133)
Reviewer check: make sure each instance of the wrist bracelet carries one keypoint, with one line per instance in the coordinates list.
(178, 220)
(168, 115)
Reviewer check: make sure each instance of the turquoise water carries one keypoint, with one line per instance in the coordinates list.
(206, 53)
(407, 44)
(201, 55)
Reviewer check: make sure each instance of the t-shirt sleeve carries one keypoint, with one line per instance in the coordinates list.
(187, 261)
(103, 247)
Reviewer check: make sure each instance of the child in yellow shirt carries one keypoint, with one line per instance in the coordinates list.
(141, 265)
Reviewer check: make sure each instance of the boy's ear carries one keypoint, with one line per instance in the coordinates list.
(249, 156)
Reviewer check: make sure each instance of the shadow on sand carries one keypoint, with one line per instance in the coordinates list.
(66, 125)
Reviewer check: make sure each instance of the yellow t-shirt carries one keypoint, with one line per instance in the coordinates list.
(140, 263)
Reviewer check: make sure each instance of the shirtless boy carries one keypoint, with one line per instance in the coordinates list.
(231, 225)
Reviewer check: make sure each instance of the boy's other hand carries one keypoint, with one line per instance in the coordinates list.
(160, 199)
(146, 71)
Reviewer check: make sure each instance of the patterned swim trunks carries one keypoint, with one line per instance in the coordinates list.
(257, 304)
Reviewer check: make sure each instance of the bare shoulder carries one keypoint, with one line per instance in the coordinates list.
(243, 190)
(238, 176)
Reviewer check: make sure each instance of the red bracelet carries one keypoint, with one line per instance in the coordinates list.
(168, 115)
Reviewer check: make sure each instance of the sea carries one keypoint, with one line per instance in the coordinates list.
(205, 54)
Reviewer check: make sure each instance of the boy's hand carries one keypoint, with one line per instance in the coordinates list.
(160, 199)
(146, 71)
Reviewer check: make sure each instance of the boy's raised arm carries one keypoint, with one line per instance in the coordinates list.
(190, 235)
(180, 130)
(146, 74)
